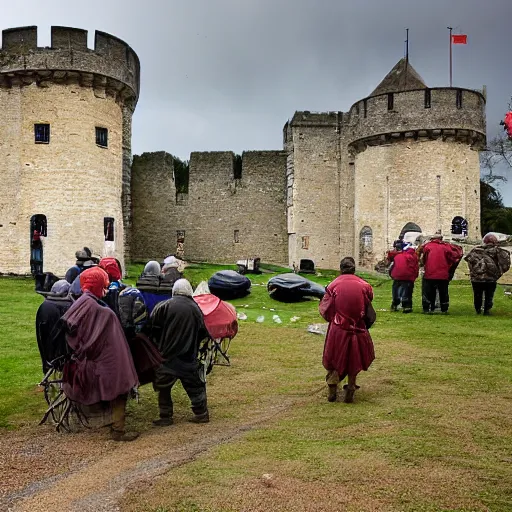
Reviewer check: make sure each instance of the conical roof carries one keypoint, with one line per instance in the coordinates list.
(403, 77)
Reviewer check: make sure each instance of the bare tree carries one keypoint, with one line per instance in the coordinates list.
(498, 152)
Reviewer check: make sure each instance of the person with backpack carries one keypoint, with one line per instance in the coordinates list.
(150, 285)
(439, 259)
(487, 263)
(51, 340)
(404, 270)
(84, 260)
(112, 267)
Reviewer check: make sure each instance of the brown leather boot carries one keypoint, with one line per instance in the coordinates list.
(349, 393)
(333, 390)
(124, 436)
(200, 418)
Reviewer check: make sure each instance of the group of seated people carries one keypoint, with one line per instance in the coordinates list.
(120, 337)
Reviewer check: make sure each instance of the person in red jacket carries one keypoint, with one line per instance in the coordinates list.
(439, 259)
(404, 271)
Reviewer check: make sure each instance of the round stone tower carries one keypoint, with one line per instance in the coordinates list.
(65, 147)
(416, 163)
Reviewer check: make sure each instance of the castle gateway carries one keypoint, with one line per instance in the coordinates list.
(404, 158)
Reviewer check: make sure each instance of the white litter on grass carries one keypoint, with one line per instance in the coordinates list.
(260, 319)
(317, 328)
(241, 316)
(263, 307)
(381, 309)
(294, 318)
(271, 309)
(276, 319)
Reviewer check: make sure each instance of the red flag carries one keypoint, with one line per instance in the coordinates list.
(460, 39)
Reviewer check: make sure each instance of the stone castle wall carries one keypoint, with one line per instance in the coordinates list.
(223, 218)
(314, 205)
(426, 182)
(71, 180)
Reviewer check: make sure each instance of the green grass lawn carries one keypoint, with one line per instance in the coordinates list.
(431, 428)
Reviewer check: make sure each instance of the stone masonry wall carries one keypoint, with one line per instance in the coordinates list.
(428, 183)
(223, 218)
(71, 180)
(314, 213)
(154, 211)
(409, 113)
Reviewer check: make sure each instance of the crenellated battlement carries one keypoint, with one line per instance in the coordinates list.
(419, 113)
(112, 66)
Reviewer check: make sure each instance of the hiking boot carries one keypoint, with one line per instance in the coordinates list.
(332, 395)
(445, 313)
(124, 436)
(407, 310)
(349, 394)
(163, 422)
(200, 418)
(393, 307)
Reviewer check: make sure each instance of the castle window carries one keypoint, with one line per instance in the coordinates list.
(357, 109)
(428, 98)
(459, 227)
(365, 108)
(391, 101)
(458, 98)
(42, 133)
(237, 167)
(305, 242)
(102, 137)
(236, 236)
(108, 228)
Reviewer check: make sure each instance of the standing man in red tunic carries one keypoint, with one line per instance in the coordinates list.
(347, 306)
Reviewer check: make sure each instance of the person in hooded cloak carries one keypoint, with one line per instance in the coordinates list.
(348, 347)
(177, 327)
(102, 368)
(51, 339)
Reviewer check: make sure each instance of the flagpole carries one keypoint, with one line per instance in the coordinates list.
(450, 29)
(406, 55)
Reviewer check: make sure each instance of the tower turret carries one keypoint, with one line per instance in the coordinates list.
(65, 146)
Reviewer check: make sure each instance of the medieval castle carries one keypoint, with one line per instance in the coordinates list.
(405, 158)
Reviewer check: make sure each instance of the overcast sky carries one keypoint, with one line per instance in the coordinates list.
(227, 74)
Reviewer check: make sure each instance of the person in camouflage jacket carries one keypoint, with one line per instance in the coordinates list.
(487, 263)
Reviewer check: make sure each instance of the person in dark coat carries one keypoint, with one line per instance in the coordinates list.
(170, 272)
(440, 260)
(84, 260)
(404, 271)
(102, 368)
(348, 349)
(51, 340)
(487, 263)
(150, 285)
(177, 327)
(113, 268)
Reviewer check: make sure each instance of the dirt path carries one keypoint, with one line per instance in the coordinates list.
(88, 472)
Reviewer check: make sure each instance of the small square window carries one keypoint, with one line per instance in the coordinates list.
(102, 137)
(305, 242)
(391, 101)
(458, 99)
(42, 133)
(237, 236)
(428, 98)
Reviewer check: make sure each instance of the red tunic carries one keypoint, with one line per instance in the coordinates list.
(348, 345)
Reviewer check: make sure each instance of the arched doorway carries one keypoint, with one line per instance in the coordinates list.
(365, 246)
(459, 227)
(38, 227)
(410, 233)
